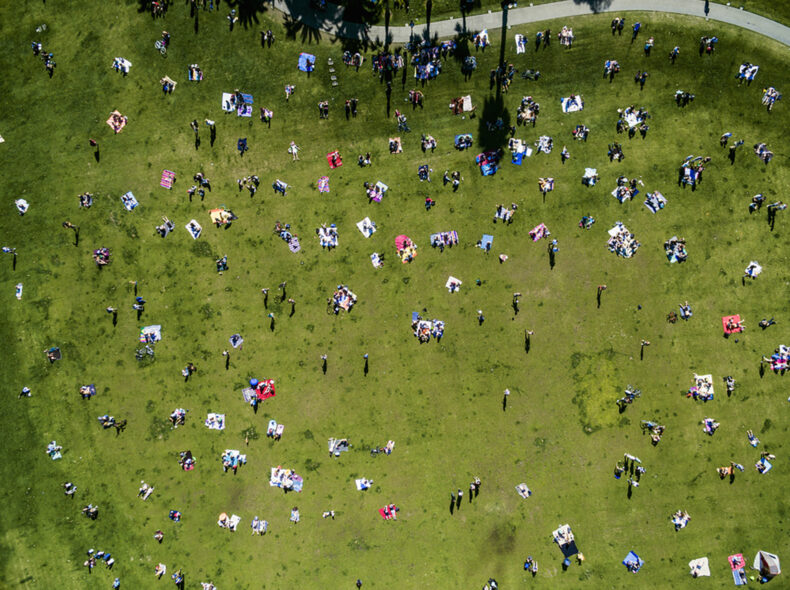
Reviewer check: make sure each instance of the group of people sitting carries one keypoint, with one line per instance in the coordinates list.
(528, 111)
(424, 329)
(615, 152)
(428, 143)
(763, 152)
(622, 242)
(186, 460)
(342, 298)
(779, 359)
(327, 236)
(655, 431)
(675, 249)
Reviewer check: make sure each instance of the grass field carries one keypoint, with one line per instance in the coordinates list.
(440, 402)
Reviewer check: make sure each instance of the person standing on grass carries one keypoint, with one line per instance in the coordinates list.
(635, 31)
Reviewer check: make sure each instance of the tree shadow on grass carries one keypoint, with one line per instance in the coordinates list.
(307, 34)
(595, 5)
(248, 11)
(493, 110)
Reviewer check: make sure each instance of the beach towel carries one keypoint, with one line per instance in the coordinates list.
(194, 74)
(22, 206)
(572, 104)
(323, 184)
(167, 180)
(375, 259)
(194, 229)
(129, 202)
(486, 242)
(228, 102)
(248, 395)
(244, 110)
(396, 142)
(699, 567)
(306, 62)
(367, 227)
(215, 421)
(389, 512)
(523, 490)
(294, 245)
(362, 484)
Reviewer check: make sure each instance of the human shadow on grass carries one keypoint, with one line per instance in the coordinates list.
(248, 11)
(595, 5)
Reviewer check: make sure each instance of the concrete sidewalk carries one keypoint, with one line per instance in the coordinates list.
(331, 21)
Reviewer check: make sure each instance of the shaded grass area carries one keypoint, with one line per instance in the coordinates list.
(440, 402)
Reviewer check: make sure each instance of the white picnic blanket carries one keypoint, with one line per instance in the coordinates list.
(215, 421)
(699, 567)
(572, 105)
(467, 103)
(227, 105)
(452, 280)
(235, 519)
(194, 229)
(521, 44)
(375, 259)
(362, 484)
(367, 227)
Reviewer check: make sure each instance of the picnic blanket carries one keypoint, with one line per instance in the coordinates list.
(244, 110)
(129, 202)
(463, 141)
(699, 567)
(367, 227)
(395, 143)
(334, 159)
(121, 64)
(323, 184)
(151, 333)
(286, 479)
(362, 484)
(375, 259)
(168, 178)
(766, 465)
(521, 44)
(523, 490)
(306, 62)
(194, 229)
(228, 102)
(22, 206)
(486, 241)
(117, 121)
(294, 245)
(221, 216)
(736, 320)
(453, 284)
(633, 562)
(448, 238)
(538, 232)
(215, 421)
(572, 103)
(389, 512)
(655, 201)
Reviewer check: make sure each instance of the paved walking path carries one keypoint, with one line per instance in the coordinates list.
(331, 21)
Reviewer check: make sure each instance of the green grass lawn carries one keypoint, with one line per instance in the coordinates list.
(440, 402)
